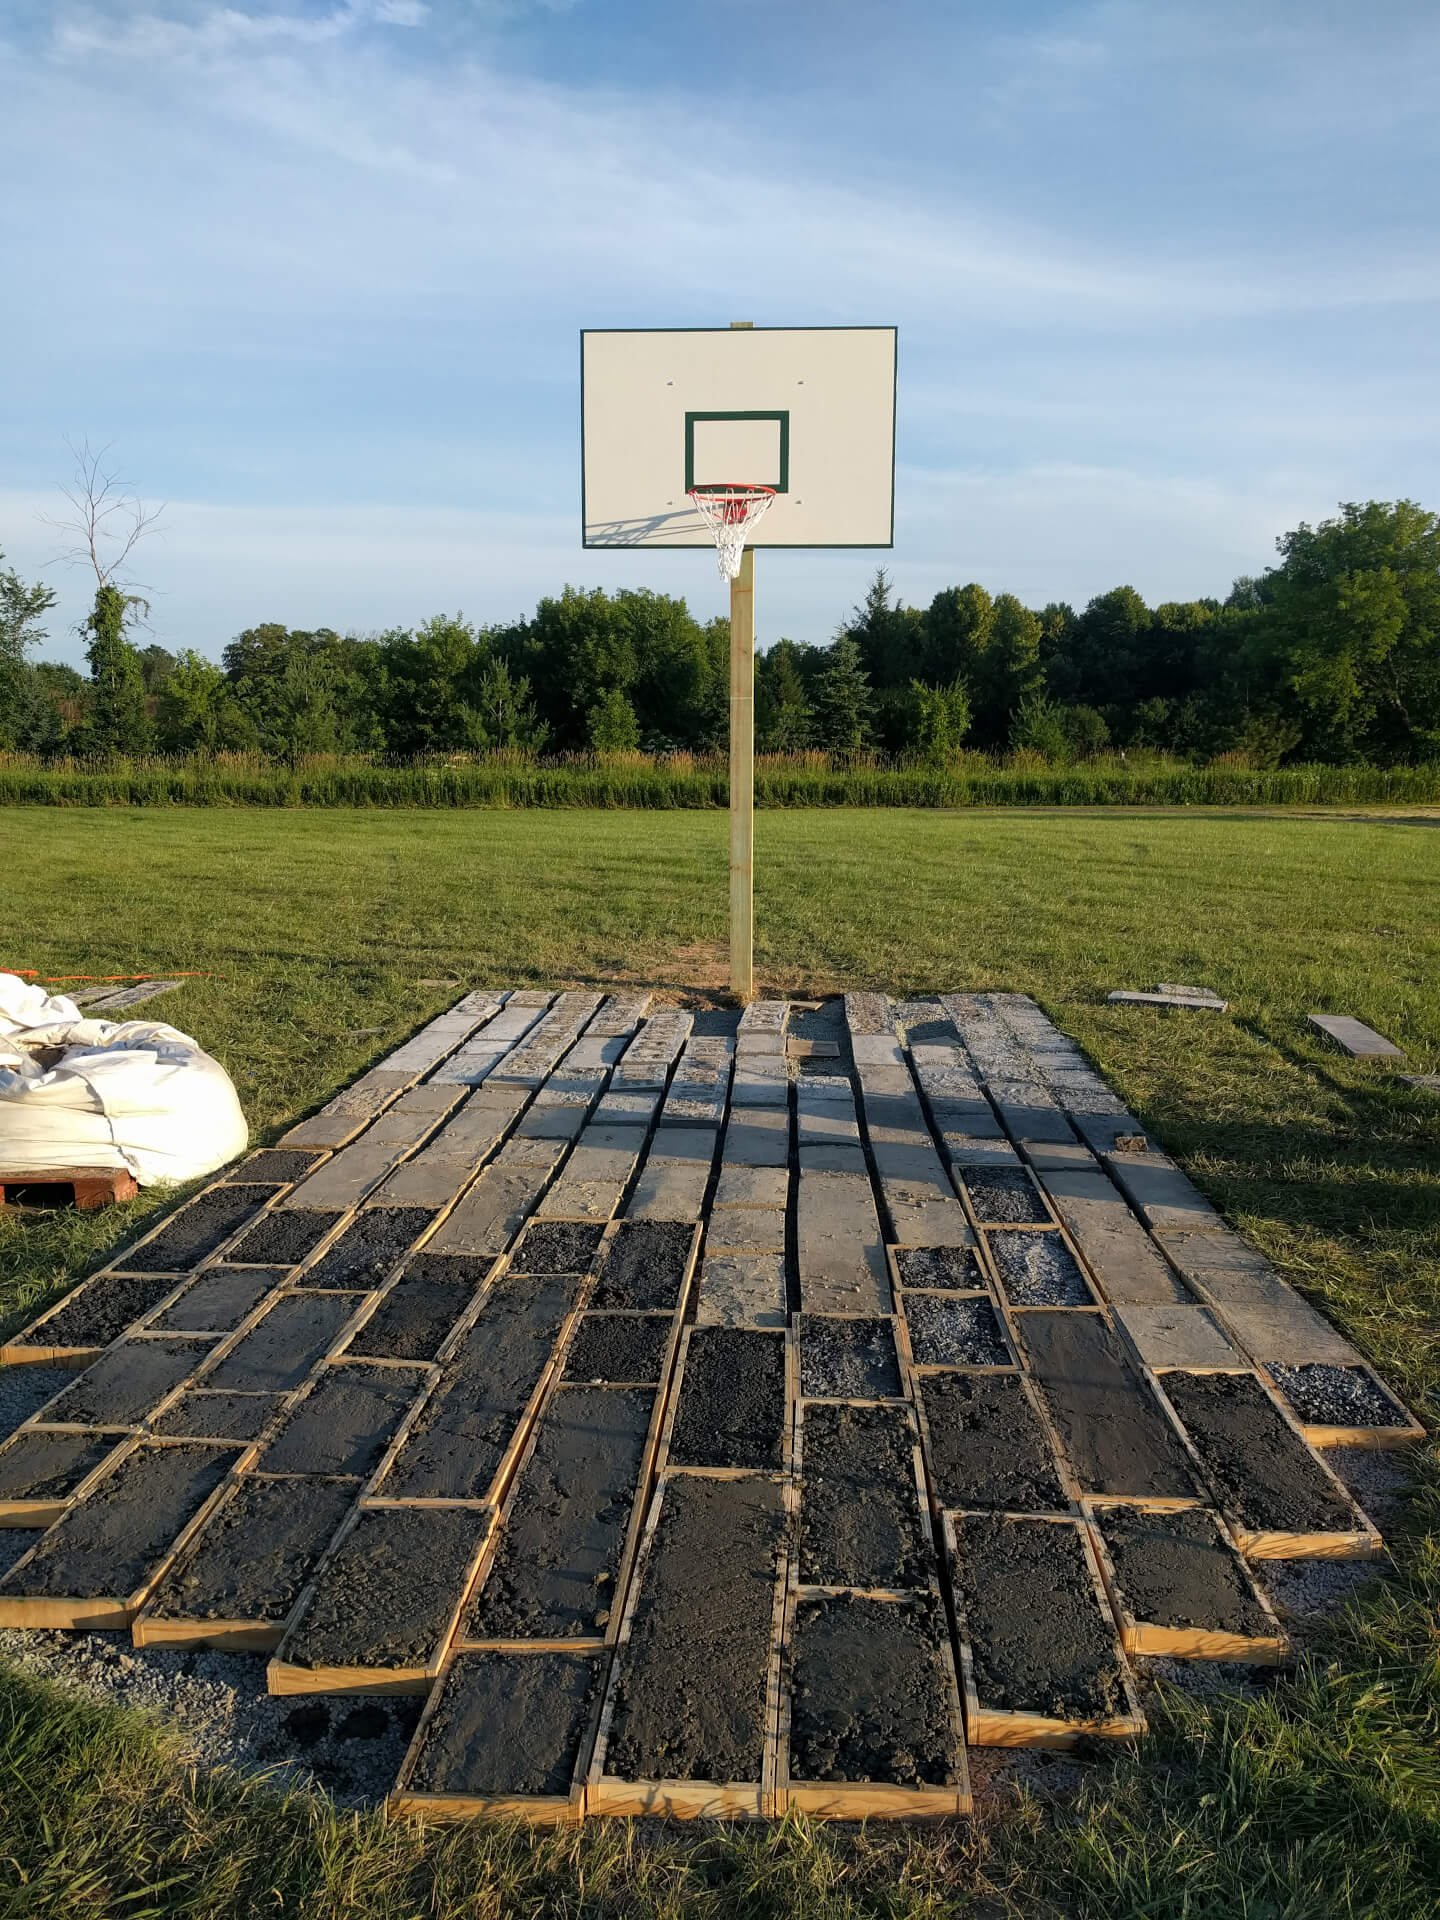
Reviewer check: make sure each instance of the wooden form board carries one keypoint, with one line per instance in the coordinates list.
(62, 1613)
(1362, 1542)
(917, 1368)
(689, 1799)
(635, 1528)
(998, 1727)
(1405, 1431)
(537, 1810)
(1186, 1643)
(285, 1678)
(791, 1390)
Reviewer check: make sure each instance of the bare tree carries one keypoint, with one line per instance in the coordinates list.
(106, 522)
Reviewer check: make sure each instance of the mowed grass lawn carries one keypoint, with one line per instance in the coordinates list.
(315, 934)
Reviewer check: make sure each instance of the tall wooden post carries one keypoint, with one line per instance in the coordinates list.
(742, 779)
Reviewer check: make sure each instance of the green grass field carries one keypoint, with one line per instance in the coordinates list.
(313, 934)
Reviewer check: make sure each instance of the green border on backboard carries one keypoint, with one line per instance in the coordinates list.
(691, 546)
(782, 418)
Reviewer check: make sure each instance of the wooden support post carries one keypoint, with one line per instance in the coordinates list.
(742, 779)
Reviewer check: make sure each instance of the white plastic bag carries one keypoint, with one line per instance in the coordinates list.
(95, 1093)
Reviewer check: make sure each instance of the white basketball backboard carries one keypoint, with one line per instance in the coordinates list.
(809, 411)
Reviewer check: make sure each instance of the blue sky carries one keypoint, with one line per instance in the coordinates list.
(1167, 280)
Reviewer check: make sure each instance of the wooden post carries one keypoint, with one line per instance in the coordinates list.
(742, 779)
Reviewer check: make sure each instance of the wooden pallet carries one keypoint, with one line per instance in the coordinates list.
(89, 1187)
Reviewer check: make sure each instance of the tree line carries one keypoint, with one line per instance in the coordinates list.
(1331, 655)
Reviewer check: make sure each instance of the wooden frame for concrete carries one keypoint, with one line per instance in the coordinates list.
(1064, 1473)
(791, 1397)
(794, 1490)
(24, 1516)
(1185, 1643)
(1279, 1543)
(870, 1799)
(635, 1526)
(1404, 1433)
(1000, 1727)
(536, 1810)
(690, 1799)
(903, 1368)
(919, 1368)
(285, 1679)
(73, 1613)
(21, 1350)
(972, 1213)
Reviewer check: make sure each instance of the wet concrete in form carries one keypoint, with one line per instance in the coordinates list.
(693, 1414)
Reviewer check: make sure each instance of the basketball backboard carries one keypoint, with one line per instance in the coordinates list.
(809, 411)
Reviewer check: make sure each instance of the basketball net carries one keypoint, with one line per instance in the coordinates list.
(730, 512)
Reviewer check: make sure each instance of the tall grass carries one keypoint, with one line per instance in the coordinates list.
(698, 781)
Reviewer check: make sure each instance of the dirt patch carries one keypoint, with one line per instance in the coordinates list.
(1264, 1474)
(422, 1307)
(870, 1692)
(949, 1330)
(110, 1544)
(849, 1359)
(953, 1269)
(1038, 1270)
(1175, 1570)
(1005, 1196)
(987, 1446)
(732, 1400)
(282, 1238)
(460, 1437)
(508, 1723)
(280, 1350)
(219, 1300)
(345, 1421)
(557, 1246)
(859, 1506)
(102, 1309)
(1038, 1638)
(252, 1559)
(619, 1348)
(127, 1382)
(200, 1415)
(39, 1465)
(387, 1595)
(280, 1165)
(1326, 1396)
(1111, 1427)
(554, 1575)
(370, 1247)
(645, 1266)
(691, 1699)
(197, 1230)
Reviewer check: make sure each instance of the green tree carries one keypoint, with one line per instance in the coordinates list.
(959, 623)
(940, 719)
(119, 721)
(1040, 728)
(782, 712)
(506, 710)
(196, 712)
(843, 703)
(611, 725)
(889, 635)
(1351, 618)
(1008, 671)
(22, 608)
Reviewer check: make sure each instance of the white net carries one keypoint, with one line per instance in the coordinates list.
(731, 513)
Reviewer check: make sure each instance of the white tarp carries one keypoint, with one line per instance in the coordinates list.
(97, 1093)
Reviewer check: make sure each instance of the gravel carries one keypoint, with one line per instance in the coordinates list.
(349, 1746)
(1326, 1396)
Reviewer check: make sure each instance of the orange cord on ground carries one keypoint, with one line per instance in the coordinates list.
(107, 979)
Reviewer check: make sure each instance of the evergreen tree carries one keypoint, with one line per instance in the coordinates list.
(844, 704)
(1009, 669)
(118, 720)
